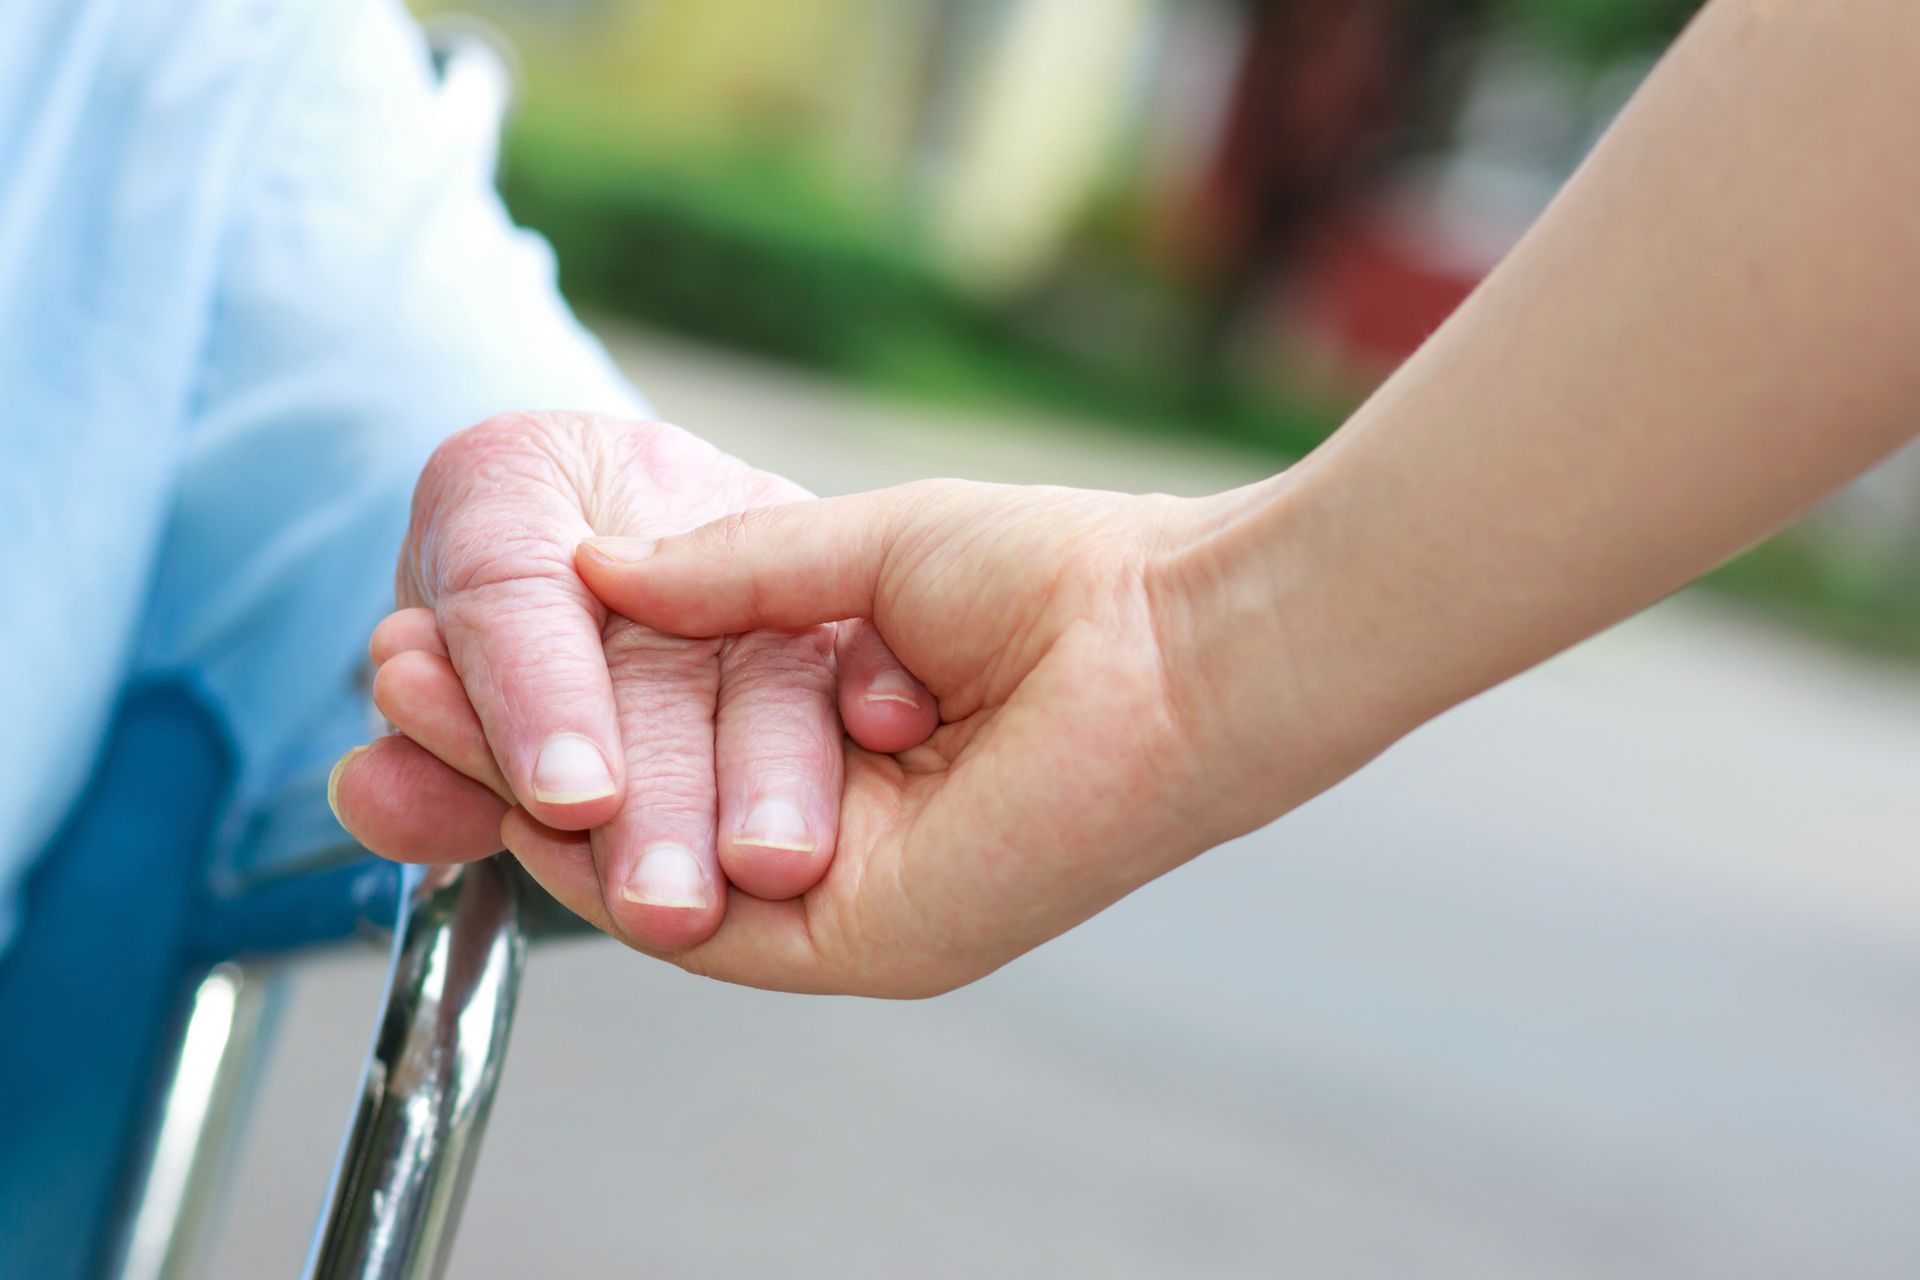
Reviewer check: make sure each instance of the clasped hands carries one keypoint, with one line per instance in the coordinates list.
(631, 659)
(879, 744)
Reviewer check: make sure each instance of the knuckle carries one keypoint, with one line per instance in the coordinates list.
(759, 658)
(523, 606)
(636, 651)
(769, 726)
(923, 496)
(662, 442)
(734, 534)
(676, 795)
(498, 500)
(499, 449)
(476, 555)
(782, 758)
(529, 657)
(669, 765)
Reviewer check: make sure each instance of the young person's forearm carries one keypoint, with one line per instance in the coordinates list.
(1716, 324)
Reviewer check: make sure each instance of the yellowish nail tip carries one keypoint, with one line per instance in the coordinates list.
(571, 770)
(775, 823)
(570, 797)
(785, 846)
(333, 781)
(678, 904)
(892, 686)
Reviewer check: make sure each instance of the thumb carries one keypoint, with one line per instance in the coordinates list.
(786, 566)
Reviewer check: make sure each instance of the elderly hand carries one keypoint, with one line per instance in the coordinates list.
(696, 762)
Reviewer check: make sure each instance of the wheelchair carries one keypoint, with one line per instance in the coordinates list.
(139, 993)
(120, 1098)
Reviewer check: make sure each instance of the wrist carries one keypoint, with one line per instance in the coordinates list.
(1266, 654)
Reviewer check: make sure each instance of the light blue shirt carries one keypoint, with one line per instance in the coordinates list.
(250, 274)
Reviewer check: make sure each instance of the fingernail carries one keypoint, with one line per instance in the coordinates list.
(333, 782)
(571, 770)
(892, 686)
(776, 824)
(620, 549)
(668, 876)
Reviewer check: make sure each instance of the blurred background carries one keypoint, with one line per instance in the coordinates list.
(1610, 973)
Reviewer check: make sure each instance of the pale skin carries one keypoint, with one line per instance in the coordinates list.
(1714, 325)
(695, 762)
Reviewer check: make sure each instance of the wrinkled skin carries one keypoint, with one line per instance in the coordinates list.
(665, 742)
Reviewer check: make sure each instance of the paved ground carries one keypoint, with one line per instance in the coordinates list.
(1614, 972)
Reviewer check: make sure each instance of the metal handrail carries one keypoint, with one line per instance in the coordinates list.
(458, 950)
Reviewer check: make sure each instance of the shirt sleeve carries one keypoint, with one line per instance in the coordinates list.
(372, 298)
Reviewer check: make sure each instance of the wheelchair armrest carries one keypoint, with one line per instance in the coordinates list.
(458, 951)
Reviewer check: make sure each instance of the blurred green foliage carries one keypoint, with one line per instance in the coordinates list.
(745, 248)
(761, 251)
(1598, 31)
(1868, 600)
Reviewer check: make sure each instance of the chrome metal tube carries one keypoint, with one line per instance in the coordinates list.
(200, 1103)
(458, 950)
